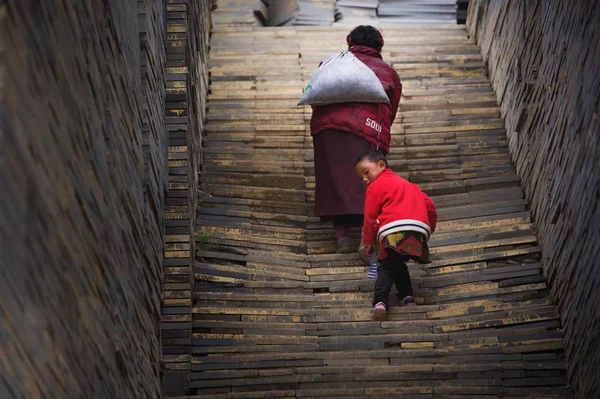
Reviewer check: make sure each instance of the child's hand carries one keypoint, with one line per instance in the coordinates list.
(368, 250)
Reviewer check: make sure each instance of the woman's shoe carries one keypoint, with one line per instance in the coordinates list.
(344, 247)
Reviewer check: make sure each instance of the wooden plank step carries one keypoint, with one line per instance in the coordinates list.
(277, 314)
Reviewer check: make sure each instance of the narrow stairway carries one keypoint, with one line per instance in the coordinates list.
(278, 314)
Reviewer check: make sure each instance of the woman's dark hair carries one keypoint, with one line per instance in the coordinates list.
(365, 35)
(371, 155)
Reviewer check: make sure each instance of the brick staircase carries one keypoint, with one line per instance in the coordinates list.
(277, 314)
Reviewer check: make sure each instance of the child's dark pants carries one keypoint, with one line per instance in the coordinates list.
(392, 270)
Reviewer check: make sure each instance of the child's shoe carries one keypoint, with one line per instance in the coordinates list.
(408, 301)
(379, 312)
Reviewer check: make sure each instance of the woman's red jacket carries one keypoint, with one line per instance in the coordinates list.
(371, 121)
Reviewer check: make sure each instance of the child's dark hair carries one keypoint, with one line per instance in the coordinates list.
(373, 156)
(365, 35)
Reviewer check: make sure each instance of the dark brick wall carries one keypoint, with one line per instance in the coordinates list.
(543, 59)
(82, 179)
(188, 29)
(152, 20)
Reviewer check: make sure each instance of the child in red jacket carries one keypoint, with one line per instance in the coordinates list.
(401, 218)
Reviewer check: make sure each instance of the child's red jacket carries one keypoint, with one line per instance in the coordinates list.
(393, 204)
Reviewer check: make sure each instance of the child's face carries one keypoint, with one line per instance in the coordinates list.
(368, 170)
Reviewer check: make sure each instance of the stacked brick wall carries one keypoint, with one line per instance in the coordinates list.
(543, 59)
(188, 27)
(152, 20)
(81, 183)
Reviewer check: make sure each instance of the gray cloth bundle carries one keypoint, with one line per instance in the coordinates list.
(343, 78)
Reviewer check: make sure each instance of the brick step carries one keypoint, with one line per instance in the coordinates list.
(277, 313)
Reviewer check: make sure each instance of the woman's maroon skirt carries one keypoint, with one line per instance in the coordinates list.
(338, 189)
